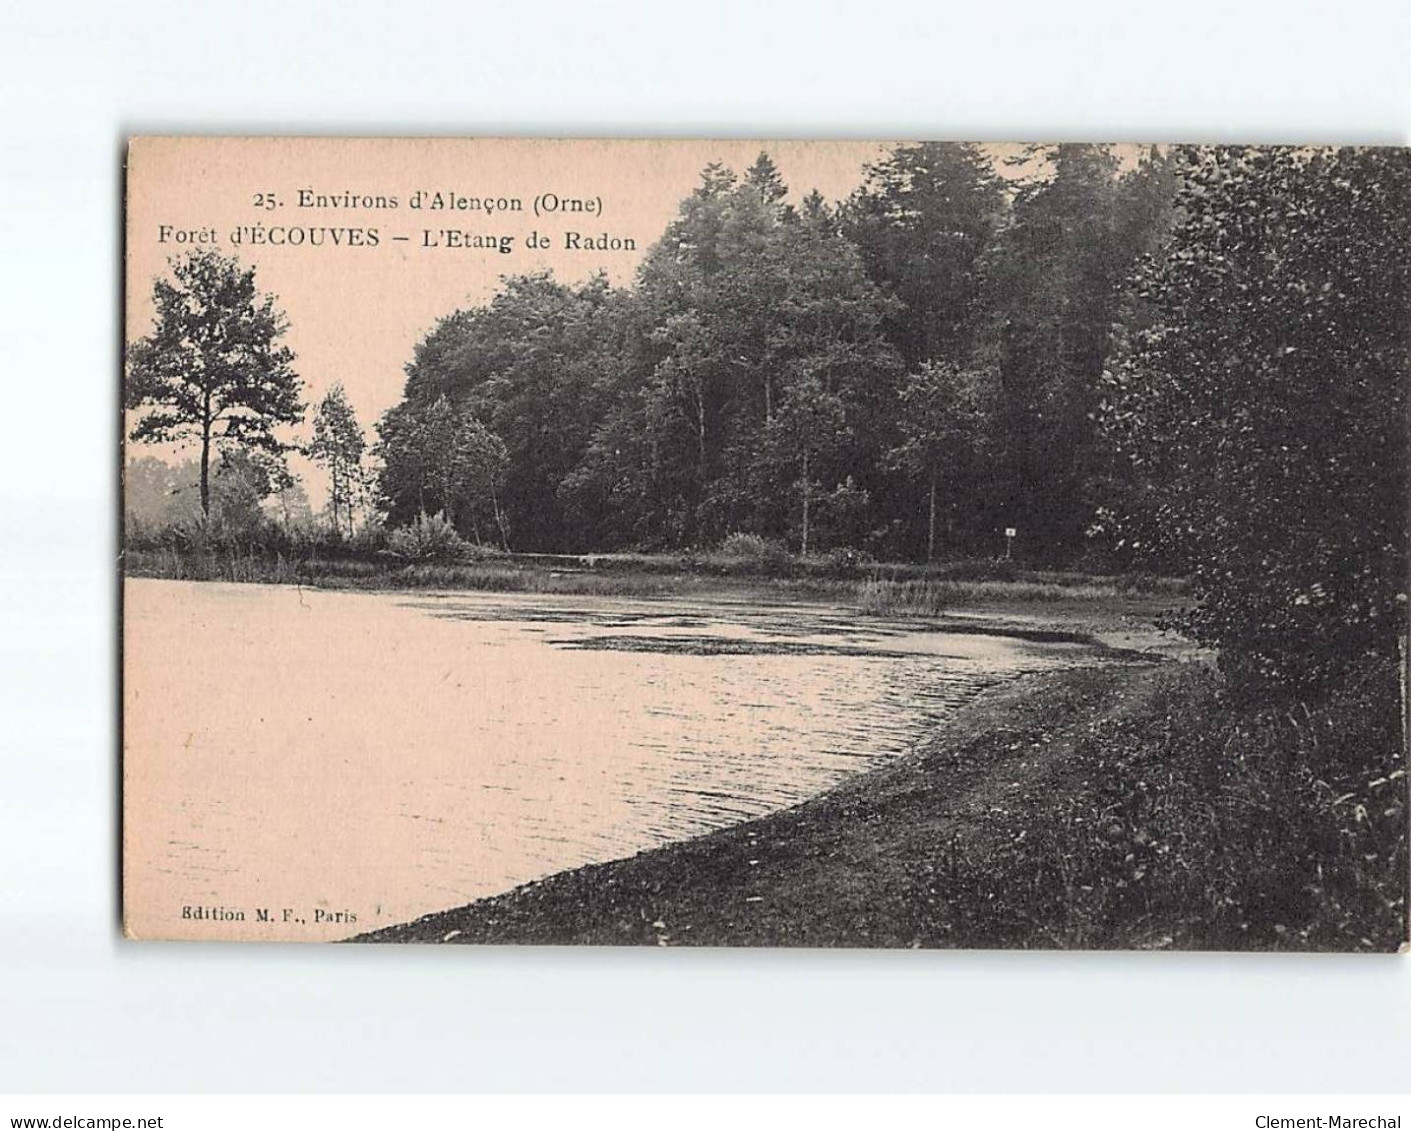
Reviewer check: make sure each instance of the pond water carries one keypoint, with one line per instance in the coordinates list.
(317, 755)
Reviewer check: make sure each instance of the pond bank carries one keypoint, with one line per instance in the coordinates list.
(1129, 805)
(878, 861)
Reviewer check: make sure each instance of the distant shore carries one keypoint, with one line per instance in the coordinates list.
(972, 596)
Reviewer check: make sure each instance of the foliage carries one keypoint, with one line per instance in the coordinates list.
(923, 220)
(371, 537)
(533, 367)
(678, 410)
(1262, 411)
(1053, 290)
(242, 481)
(158, 495)
(160, 498)
(440, 455)
(213, 370)
(751, 379)
(1202, 823)
(944, 415)
(291, 507)
(809, 425)
(770, 372)
(338, 444)
(481, 463)
(429, 538)
(753, 548)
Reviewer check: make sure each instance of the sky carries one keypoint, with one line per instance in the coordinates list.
(355, 313)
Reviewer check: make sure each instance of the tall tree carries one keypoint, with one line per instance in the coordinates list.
(1263, 405)
(213, 369)
(339, 445)
(746, 297)
(923, 218)
(532, 365)
(811, 422)
(1053, 285)
(404, 473)
(242, 480)
(294, 510)
(481, 464)
(944, 411)
(443, 460)
(437, 435)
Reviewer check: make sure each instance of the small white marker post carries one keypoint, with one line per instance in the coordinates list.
(1009, 533)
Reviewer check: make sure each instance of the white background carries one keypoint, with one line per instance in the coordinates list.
(82, 1010)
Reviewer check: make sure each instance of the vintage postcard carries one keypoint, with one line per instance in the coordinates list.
(739, 543)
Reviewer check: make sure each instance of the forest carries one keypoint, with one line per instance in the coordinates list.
(904, 373)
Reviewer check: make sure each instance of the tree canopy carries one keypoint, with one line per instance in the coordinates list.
(338, 444)
(1261, 410)
(213, 369)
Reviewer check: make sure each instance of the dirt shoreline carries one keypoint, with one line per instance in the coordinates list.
(885, 859)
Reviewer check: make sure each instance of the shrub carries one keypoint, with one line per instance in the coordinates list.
(976, 569)
(371, 537)
(429, 538)
(842, 562)
(1185, 818)
(754, 549)
(1237, 828)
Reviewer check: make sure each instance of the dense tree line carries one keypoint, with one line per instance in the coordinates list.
(904, 372)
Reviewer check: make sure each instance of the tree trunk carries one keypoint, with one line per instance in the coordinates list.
(354, 486)
(206, 469)
(335, 496)
(806, 492)
(448, 502)
(499, 519)
(931, 523)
